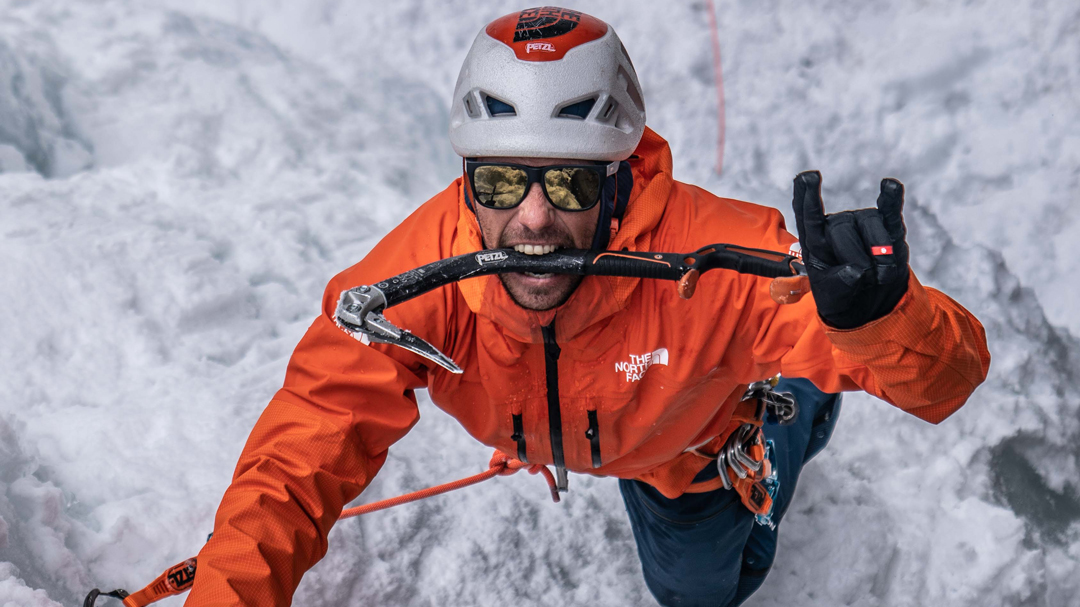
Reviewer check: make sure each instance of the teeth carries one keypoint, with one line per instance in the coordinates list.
(536, 249)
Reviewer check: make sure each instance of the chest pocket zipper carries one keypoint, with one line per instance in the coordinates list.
(593, 434)
(519, 437)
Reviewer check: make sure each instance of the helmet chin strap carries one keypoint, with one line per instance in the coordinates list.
(615, 196)
(465, 186)
(468, 200)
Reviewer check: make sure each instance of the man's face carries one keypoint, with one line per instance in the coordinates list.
(538, 223)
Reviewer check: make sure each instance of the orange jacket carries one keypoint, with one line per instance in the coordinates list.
(653, 375)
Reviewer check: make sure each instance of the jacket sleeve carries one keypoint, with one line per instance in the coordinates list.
(317, 445)
(322, 438)
(926, 356)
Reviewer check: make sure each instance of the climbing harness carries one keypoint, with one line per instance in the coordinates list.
(747, 462)
(360, 314)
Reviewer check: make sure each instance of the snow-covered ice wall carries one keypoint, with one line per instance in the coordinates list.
(179, 179)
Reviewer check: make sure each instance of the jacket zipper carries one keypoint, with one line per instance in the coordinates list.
(551, 364)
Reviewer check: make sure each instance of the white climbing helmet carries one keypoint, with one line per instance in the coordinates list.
(548, 83)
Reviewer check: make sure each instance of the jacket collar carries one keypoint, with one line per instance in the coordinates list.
(598, 297)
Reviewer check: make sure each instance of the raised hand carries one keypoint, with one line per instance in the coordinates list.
(857, 260)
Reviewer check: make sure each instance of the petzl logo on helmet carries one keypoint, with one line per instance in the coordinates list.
(482, 258)
(545, 22)
(540, 46)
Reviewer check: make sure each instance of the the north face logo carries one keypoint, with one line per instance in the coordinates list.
(639, 363)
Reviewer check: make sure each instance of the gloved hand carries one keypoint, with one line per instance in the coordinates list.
(857, 261)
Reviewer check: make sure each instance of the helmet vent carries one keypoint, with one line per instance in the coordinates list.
(609, 113)
(579, 109)
(470, 108)
(635, 94)
(498, 107)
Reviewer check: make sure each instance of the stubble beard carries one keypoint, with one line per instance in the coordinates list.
(542, 298)
(539, 297)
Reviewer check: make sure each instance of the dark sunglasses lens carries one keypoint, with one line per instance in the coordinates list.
(572, 189)
(500, 187)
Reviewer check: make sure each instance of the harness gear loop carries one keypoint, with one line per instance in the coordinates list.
(179, 578)
(779, 407)
(745, 461)
(744, 456)
(749, 457)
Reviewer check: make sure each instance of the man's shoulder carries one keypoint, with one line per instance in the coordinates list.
(706, 218)
(442, 208)
(428, 232)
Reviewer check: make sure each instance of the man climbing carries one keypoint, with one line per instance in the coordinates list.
(611, 376)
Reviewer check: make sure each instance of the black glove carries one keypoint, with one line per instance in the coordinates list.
(857, 260)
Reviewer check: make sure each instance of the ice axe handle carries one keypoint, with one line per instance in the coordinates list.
(684, 268)
(175, 580)
(665, 266)
(789, 282)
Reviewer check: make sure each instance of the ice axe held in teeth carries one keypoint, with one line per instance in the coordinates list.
(360, 309)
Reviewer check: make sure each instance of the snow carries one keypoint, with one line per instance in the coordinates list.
(179, 180)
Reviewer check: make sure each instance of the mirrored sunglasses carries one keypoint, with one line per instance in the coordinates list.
(568, 187)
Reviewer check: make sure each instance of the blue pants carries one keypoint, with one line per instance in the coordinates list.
(704, 548)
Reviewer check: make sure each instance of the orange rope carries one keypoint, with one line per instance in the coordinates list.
(718, 71)
(501, 465)
(178, 578)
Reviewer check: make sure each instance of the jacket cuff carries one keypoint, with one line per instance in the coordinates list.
(908, 322)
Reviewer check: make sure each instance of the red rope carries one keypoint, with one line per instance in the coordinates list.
(501, 465)
(718, 71)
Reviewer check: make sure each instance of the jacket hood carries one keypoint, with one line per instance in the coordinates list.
(597, 297)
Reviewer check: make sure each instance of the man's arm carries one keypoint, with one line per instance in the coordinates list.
(326, 433)
(871, 325)
(314, 449)
(926, 356)
(317, 445)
